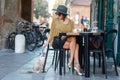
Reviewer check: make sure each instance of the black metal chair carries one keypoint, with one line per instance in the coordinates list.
(59, 56)
(96, 47)
(105, 49)
(110, 48)
(50, 48)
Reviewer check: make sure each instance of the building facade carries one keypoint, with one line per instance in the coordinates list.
(105, 12)
(80, 8)
(107, 15)
(10, 11)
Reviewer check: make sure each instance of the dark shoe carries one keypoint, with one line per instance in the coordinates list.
(69, 66)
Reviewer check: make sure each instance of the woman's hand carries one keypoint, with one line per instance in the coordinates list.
(63, 37)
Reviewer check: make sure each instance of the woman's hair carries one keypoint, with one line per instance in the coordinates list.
(64, 15)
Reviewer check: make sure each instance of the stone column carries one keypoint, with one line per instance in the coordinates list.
(9, 13)
(2, 5)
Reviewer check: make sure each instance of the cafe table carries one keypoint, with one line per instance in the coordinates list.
(85, 41)
(86, 49)
(86, 53)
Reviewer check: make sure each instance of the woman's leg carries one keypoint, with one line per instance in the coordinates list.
(73, 54)
(76, 56)
(70, 44)
(77, 67)
(72, 49)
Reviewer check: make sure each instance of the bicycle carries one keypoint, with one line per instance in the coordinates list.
(40, 35)
(11, 40)
(29, 37)
(22, 27)
(38, 38)
(33, 37)
(11, 36)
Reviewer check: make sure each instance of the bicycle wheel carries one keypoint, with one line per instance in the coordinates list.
(30, 43)
(11, 41)
(40, 40)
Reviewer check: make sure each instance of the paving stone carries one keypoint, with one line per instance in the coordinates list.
(15, 66)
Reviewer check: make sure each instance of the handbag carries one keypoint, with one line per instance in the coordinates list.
(58, 43)
(95, 42)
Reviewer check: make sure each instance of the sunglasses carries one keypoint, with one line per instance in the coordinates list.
(57, 13)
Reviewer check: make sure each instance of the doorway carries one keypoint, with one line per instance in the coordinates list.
(27, 10)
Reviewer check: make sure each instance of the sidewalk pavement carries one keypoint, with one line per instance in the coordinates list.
(10, 62)
(13, 66)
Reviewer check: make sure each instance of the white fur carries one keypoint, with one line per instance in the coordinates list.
(38, 65)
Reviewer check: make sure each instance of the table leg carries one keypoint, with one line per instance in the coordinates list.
(87, 58)
(60, 61)
(80, 56)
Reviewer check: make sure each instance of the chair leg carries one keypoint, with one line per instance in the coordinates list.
(99, 60)
(45, 60)
(115, 64)
(68, 56)
(53, 60)
(73, 67)
(94, 63)
(61, 52)
(83, 63)
(104, 65)
(64, 57)
(56, 60)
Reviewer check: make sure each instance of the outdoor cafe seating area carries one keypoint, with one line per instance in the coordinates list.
(92, 59)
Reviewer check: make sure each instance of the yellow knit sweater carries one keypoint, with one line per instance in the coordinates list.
(58, 27)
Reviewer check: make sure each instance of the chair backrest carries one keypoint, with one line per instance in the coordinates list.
(111, 35)
(96, 41)
(58, 42)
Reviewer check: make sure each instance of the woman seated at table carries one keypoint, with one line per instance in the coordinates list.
(63, 24)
